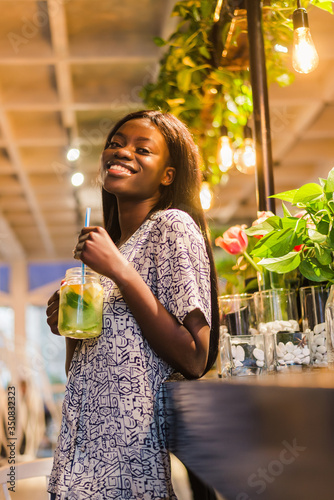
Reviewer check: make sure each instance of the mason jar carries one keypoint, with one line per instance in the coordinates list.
(80, 304)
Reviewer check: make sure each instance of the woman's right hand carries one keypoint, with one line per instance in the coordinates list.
(52, 312)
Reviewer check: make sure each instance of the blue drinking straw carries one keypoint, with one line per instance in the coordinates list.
(87, 219)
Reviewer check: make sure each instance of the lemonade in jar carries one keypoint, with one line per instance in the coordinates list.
(80, 304)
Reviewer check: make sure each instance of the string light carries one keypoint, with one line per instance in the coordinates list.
(245, 158)
(205, 196)
(225, 151)
(304, 55)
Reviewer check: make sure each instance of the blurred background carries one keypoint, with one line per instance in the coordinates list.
(69, 69)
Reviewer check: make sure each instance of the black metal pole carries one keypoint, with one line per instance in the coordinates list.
(257, 62)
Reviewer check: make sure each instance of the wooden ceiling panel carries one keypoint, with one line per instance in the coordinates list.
(13, 203)
(114, 27)
(70, 231)
(59, 216)
(323, 126)
(20, 219)
(50, 183)
(9, 184)
(94, 126)
(24, 29)
(116, 84)
(36, 125)
(44, 159)
(292, 94)
(30, 84)
(49, 201)
(318, 151)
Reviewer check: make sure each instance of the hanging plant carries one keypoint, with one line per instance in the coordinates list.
(193, 82)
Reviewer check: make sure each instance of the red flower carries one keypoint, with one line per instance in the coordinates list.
(298, 247)
(234, 240)
(261, 217)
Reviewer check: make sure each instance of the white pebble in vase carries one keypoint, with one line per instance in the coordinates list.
(258, 354)
(239, 353)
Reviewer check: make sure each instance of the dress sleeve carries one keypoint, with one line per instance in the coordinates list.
(182, 265)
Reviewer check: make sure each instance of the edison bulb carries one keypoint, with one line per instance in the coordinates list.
(304, 55)
(225, 153)
(246, 158)
(205, 196)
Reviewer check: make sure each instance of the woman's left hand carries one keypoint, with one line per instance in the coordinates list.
(96, 249)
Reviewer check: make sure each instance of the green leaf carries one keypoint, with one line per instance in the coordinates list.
(315, 236)
(285, 196)
(204, 52)
(276, 244)
(323, 227)
(326, 5)
(73, 299)
(331, 238)
(314, 271)
(206, 8)
(259, 229)
(160, 42)
(295, 223)
(265, 227)
(323, 255)
(184, 80)
(286, 211)
(187, 61)
(175, 102)
(283, 264)
(307, 193)
(329, 186)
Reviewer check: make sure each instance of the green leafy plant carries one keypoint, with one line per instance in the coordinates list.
(193, 82)
(304, 241)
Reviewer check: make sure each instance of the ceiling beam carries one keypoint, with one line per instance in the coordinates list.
(10, 248)
(16, 162)
(125, 58)
(57, 20)
(73, 106)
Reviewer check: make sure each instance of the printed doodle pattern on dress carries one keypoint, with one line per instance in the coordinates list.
(112, 443)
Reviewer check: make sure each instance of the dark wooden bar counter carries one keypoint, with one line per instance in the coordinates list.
(268, 437)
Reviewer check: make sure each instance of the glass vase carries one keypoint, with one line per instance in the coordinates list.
(313, 301)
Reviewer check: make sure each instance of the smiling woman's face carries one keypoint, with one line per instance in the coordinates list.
(136, 162)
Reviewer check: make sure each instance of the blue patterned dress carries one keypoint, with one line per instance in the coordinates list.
(112, 443)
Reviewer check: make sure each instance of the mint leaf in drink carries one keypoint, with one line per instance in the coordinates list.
(73, 299)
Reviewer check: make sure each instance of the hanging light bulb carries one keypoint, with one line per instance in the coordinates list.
(225, 151)
(304, 55)
(205, 196)
(245, 158)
